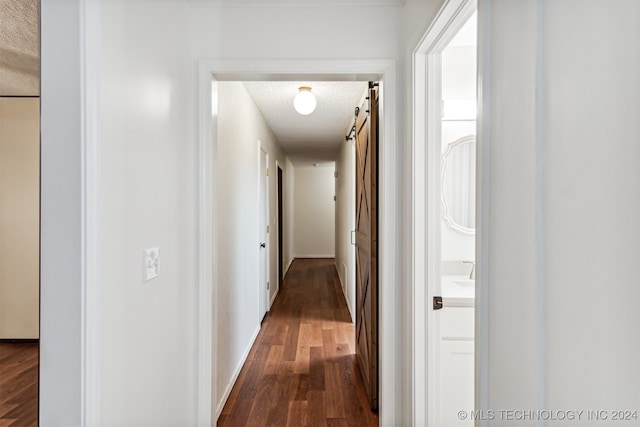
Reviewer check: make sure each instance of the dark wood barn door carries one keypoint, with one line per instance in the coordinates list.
(367, 244)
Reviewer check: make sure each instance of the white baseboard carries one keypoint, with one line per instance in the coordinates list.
(273, 298)
(286, 270)
(234, 378)
(315, 256)
(344, 292)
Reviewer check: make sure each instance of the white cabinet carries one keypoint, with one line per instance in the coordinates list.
(455, 328)
(456, 385)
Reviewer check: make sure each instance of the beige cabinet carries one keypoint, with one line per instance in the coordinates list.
(19, 217)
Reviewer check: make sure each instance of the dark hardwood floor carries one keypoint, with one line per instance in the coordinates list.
(18, 384)
(302, 370)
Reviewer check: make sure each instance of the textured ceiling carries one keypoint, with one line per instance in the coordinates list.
(19, 63)
(314, 138)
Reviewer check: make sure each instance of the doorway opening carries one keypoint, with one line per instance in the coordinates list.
(298, 70)
(262, 111)
(445, 99)
(280, 207)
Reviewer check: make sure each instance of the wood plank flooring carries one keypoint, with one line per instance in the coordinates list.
(18, 384)
(302, 370)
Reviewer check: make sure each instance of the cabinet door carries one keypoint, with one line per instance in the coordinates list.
(456, 379)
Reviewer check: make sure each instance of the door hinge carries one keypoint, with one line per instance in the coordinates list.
(267, 285)
(267, 229)
(437, 303)
(267, 171)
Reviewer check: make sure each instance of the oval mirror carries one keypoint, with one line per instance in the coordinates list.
(459, 185)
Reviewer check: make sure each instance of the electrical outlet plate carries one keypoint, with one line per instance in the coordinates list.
(151, 263)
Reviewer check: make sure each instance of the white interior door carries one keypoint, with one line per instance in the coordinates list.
(263, 244)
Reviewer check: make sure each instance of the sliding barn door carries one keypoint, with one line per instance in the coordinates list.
(367, 244)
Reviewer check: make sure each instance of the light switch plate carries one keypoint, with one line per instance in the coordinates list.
(151, 263)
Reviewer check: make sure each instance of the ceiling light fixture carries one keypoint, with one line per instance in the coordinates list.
(304, 102)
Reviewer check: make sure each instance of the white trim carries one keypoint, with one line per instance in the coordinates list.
(331, 69)
(287, 3)
(541, 207)
(273, 298)
(65, 217)
(319, 256)
(343, 287)
(92, 307)
(263, 293)
(286, 270)
(236, 373)
(207, 309)
(278, 214)
(425, 256)
(483, 214)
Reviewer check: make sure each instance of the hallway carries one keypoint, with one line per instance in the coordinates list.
(302, 370)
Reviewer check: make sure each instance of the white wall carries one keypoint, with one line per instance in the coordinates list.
(275, 156)
(314, 212)
(216, 33)
(346, 222)
(236, 231)
(19, 217)
(579, 267)
(276, 31)
(146, 197)
(241, 131)
(560, 206)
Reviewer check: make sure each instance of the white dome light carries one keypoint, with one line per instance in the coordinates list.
(304, 102)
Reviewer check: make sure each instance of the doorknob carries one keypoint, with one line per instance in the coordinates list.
(263, 245)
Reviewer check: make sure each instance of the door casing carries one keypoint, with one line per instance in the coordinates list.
(279, 207)
(391, 341)
(263, 232)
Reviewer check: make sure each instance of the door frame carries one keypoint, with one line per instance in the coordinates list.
(384, 71)
(280, 234)
(426, 150)
(264, 292)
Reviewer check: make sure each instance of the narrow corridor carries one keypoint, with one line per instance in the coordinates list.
(302, 369)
